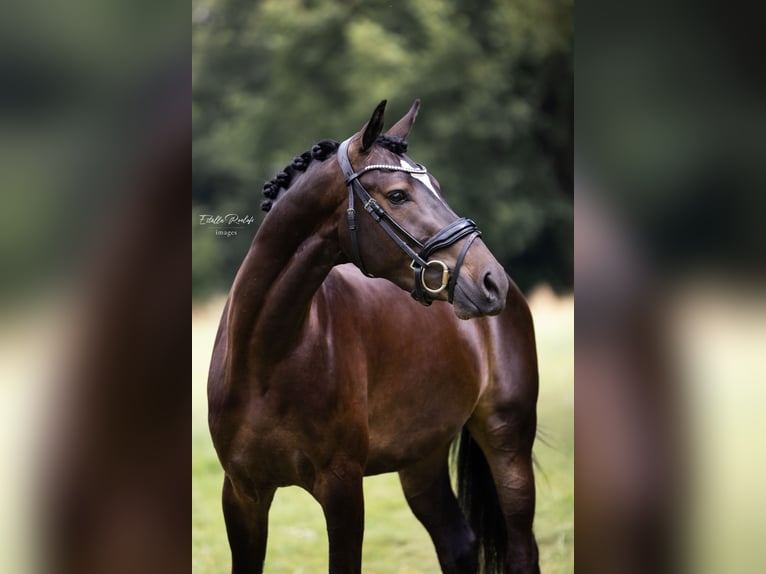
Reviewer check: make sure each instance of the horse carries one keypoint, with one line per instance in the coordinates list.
(324, 371)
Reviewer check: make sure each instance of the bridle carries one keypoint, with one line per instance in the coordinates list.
(449, 235)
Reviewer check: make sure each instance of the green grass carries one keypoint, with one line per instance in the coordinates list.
(394, 541)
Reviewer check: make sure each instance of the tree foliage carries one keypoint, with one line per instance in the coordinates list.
(272, 77)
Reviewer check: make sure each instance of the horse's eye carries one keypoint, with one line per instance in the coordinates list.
(397, 197)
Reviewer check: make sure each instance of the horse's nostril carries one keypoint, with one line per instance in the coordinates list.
(490, 287)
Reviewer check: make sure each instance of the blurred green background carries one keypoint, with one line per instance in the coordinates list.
(272, 77)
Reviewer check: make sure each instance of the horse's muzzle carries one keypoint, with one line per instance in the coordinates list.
(483, 297)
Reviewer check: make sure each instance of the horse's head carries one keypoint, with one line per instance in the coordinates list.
(409, 235)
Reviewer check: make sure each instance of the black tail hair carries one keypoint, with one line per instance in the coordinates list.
(478, 500)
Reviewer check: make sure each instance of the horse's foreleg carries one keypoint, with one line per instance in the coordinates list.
(246, 514)
(427, 489)
(516, 493)
(508, 450)
(339, 490)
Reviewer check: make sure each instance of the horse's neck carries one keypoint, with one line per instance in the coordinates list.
(293, 251)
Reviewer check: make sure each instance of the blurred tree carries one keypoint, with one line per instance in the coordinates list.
(272, 77)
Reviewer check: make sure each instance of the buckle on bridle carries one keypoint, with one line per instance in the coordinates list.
(415, 266)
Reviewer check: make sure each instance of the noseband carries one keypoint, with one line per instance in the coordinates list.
(448, 236)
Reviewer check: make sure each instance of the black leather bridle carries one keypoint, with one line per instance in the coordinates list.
(448, 236)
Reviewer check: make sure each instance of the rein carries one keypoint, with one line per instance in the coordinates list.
(449, 235)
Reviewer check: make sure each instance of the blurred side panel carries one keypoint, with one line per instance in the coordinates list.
(95, 144)
(669, 282)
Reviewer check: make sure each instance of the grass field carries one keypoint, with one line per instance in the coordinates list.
(395, 542)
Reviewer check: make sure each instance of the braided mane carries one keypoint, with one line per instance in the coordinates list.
(320, 151)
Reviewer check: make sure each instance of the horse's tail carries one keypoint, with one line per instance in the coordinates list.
(477, 496)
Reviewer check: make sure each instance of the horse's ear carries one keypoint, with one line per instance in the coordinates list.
(373, 127)
(403, 126)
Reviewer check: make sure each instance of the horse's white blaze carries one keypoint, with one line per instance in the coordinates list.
(422, 178)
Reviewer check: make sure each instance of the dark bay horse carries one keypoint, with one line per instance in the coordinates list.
(322, 374)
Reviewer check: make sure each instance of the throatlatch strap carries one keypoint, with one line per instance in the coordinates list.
(348, 172)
